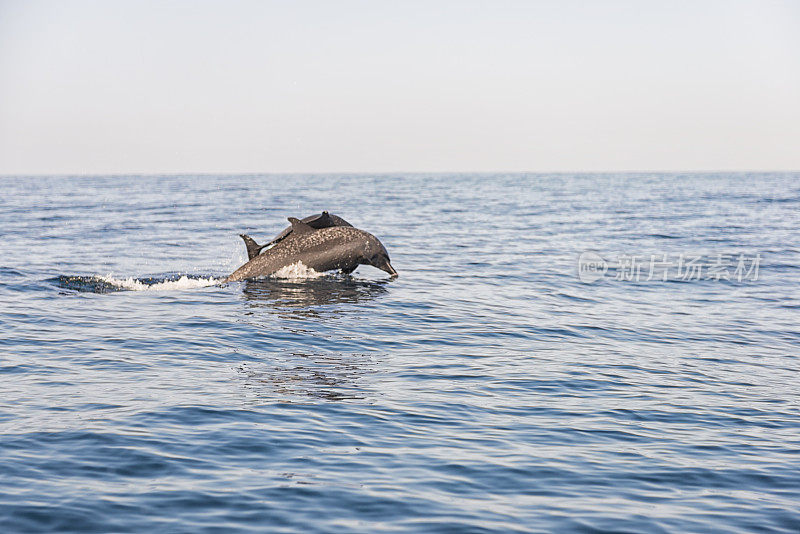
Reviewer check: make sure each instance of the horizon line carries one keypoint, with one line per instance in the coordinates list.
(384, 173)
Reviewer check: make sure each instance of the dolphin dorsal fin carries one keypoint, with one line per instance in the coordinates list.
(253, 248)
(299, 226)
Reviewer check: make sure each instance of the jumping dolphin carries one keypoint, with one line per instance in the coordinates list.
(324, 249)
(321, 220)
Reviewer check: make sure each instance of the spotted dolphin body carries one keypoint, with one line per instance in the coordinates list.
(322, 249)
(321, 220)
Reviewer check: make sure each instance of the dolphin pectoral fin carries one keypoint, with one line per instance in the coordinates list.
(349, 270)
(299, 226)
(253, 248)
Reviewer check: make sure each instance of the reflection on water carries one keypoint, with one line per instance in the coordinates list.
(297, 376)
(302, 295)
(304, 311)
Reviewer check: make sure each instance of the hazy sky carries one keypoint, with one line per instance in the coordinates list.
(315, 86)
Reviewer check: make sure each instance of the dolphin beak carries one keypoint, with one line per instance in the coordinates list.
(389, 269)
(382, 263)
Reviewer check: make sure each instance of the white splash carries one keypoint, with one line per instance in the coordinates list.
(184, 282)
(296, 271)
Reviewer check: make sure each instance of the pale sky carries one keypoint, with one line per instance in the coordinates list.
(345, 86)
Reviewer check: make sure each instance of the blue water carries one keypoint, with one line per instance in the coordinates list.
(487, 389)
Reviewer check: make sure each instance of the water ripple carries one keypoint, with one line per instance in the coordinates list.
(487, 389)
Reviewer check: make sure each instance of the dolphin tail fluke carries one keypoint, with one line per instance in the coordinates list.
(253, 248)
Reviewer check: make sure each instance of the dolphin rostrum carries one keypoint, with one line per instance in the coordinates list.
(323, 249)
(321, 220)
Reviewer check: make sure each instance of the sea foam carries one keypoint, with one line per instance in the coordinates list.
(184, 282)
(296, 271)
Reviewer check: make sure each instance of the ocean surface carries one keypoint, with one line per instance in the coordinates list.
(493, 387)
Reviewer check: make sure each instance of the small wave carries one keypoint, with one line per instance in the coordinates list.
(296, 271)
(135, 284)
(110, 284)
